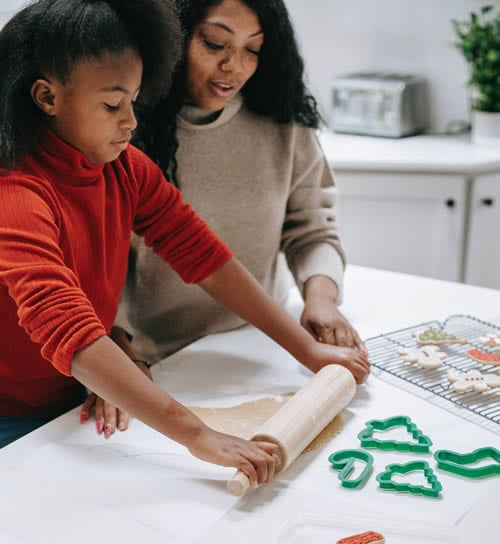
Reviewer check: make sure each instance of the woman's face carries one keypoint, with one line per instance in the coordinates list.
(222, 54)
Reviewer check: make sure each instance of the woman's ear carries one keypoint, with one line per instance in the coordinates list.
(44, 96)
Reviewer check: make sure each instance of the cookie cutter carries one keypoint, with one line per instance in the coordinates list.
(385, 479)
(422, 444)
(344, 461)
(455, 462)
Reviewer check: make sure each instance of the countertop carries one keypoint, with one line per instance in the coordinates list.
(63, 483)
(423, 153)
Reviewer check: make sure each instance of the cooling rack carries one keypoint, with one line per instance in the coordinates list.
(432, 384)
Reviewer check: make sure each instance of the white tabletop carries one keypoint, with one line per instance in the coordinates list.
(139, 486)
(423, 153)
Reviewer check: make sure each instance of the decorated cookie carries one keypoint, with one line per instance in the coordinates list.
(463, 382)
(370, 537)
(437, 337)
(484, 357)
(491, 339)
(424, 357)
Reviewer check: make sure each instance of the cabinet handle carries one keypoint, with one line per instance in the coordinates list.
(487, 201)
(450, 203)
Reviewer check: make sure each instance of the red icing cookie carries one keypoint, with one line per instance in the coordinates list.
(369, 537)
(484, 357)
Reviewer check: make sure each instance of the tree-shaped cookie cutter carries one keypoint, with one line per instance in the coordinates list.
(344, 461)
(459, 463)
(422, 444)
(385, 479)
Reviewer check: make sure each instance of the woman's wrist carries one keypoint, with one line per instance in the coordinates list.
(320, 287)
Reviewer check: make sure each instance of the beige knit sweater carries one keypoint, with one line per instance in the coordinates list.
(264, 188)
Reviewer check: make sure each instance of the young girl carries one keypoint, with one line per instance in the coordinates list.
(236, 134)
(72, 190)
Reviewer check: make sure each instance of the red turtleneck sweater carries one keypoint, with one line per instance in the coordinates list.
(64, 237)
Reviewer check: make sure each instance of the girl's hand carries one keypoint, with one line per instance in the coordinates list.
(108, 417)
(354, 360)
(258, 460)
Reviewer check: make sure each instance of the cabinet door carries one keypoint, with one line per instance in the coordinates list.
(411, 223)
(483, 248)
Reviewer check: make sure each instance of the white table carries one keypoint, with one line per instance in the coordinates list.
(140, 486)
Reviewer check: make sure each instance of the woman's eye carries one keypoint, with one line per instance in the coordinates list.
(214, 46)
(110, 107)
(253, 52)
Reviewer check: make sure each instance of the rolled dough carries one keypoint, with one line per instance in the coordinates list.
(244, 420)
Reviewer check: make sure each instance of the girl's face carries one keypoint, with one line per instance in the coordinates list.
(93, 111)
(222, 54)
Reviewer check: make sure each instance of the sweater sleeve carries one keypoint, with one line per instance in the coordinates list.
(52, 308)
(310, 239)
(171, 227)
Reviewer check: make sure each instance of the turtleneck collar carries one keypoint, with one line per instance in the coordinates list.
(68, 161)
(194, 118)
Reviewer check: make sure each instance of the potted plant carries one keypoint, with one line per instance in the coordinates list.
(479, 41)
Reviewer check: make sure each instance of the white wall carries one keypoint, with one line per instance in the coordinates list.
(411, 36)
(8, 8)
(341, 36)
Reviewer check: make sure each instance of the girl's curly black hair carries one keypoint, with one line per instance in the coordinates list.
(47, 38)
(276, 90)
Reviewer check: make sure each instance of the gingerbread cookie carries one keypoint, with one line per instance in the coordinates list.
(370, 537)
(484, 357)
(491, 339)
(437, 337)
(464, 382)
(424, 357)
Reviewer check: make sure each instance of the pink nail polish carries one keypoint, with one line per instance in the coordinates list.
(100, 426)
(83, 417)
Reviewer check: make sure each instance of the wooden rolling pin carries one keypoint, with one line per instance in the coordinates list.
(302, 418)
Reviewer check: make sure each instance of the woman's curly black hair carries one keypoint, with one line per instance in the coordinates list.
(47, 38)
(276, 90)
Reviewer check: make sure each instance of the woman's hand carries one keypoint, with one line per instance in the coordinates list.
(108, 418)
(322, 318)
(320, 355)
(258, 460)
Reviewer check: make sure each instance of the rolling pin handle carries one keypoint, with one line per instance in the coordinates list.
(239, 484)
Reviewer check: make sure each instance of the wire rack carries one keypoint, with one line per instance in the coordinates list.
(432, 384)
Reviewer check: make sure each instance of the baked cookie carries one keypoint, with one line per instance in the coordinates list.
(473, 380)
(424, 357)
(491, 339)
(437, 337)
(370, 537)
(484, 357)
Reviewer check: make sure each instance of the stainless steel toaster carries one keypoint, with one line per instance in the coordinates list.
(379, 104)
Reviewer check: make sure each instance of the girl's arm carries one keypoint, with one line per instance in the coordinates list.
(233, 286)
(105, 369)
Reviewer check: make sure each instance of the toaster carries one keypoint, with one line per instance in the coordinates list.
(379, 104)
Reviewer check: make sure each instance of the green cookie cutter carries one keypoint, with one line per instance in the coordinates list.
(453, 461)
(385, 479)
(344, 460)
(422, 444)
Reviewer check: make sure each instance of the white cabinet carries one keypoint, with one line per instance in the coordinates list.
(483, 244)
(427, 205)
(404, 222)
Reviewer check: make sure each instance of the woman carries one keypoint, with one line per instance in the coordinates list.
(236, 134)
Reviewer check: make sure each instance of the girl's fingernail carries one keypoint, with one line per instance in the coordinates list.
(100, 426)
(121, 426)
(83, 417)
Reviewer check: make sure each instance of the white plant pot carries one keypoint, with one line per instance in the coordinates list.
(486, 128)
